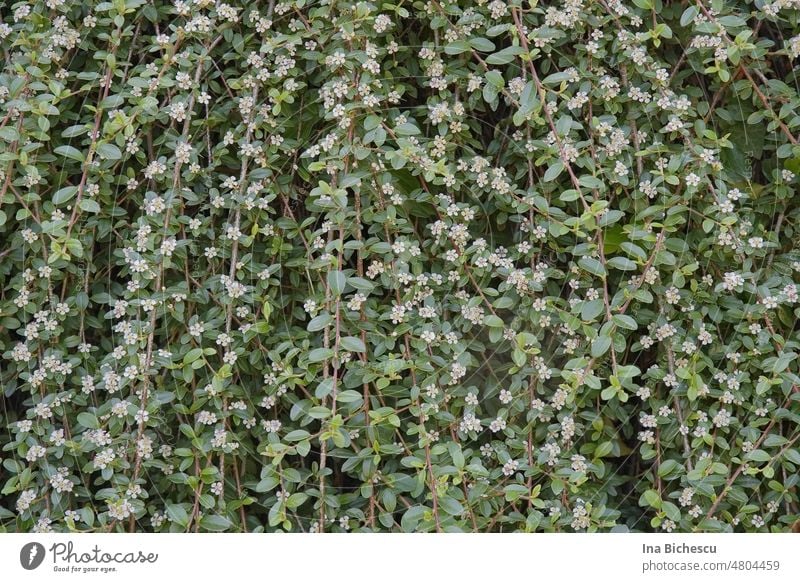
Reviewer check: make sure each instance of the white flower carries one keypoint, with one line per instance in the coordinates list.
(732, 280)
(510, 467)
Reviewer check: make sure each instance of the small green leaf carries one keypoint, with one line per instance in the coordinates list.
(297, 435)
(758, 456)
(504, 56)
(109, 151)
(70, 152)
(353, 344)
(336, 282)
(89, 205)
(622, 264)
(672, 511)
(600, 345)
(177, 514)
(8, 134)
(689, 15)
(457, 47)
(625, 321)
(553, 171)
(451, 506)
(88, 420)
(348, 396)
(652, 498)
(603, 449)
(592, 266)
(321, 321)
(481, 44)
(215, 523)
(668, 467)
(320, 354)
(74, 131)
(64, 195)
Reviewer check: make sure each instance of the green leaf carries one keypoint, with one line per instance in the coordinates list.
(457, 47)
(592, 266)
(74, 247)
(297, 435)
(64, 195)
(591, 309)
(689, 15)
(336, 282)
(731, 21)
(319, 412)
(75, 131)
(371, 122)
(177, 514)
(360, 284)
(324, 388)
(109, 151)
(8, 134)
(353, 344)
(412, 517)
(407, 129)
(320, 354)
(622, 264)
(609, 217)
(456, 454)
(672, 511)
(556, 78)
(793, 456)
(505, 56)
(296, 500)
(590, 182)
(451, 506)
(267, 484)
(321, 321)
(603, 449)
(215, 523)
(88, 420)
(600, 345)
(192, 355)
(633, 250)
(652, 498)
(696, 384)
(625, 321)
(495, 79)
(493, 321)
(553, 171)
(758, 456)
(609, 392)
(89, 205)
(70, 152)
(348, 396)
(481, 44)
(668, 467)
(782, 362)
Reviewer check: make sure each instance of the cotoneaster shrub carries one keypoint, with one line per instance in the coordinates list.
(422, 266)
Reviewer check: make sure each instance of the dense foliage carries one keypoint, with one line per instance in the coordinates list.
(423, 266)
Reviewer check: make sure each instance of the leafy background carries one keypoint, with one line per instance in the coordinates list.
(412, 266)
